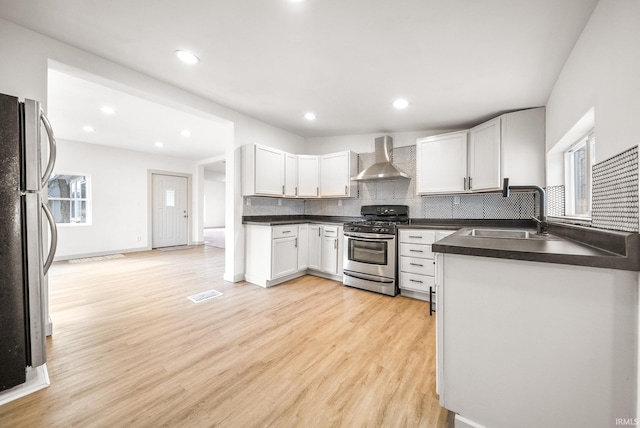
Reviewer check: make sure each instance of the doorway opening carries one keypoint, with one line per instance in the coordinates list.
(214, 204)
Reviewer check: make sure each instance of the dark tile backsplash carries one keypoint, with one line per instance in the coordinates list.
(615, 197)
(402, 192)
(615, 192)
(555, 200)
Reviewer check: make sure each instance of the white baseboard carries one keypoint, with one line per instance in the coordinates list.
(37, 379)
(100, 253)
(324, 275)
(414, 294)
(462, 422)
(233, 278)
(270, 283)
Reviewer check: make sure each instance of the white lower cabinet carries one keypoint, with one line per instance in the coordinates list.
(303, 246)
(515, 337)
(416, 265)
(330, 249)
(275, 254)
(325, 250)
(315, 247)
(271, 254)
(284, 256)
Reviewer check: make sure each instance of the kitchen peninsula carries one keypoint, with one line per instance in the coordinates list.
(531, 334)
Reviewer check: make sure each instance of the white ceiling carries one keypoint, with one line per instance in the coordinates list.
(137, 124)
(457, 62)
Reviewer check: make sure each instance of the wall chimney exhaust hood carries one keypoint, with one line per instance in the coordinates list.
(383, 169)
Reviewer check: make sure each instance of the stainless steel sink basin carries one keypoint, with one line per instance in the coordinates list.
(503, 233)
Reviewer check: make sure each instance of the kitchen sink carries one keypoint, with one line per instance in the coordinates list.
(503, 233)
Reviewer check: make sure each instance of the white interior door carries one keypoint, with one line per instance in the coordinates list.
(170, 215)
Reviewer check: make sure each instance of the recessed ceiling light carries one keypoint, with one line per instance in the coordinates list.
(187, 57)
(88, 128)
(159, 144)
(400, 103)
(107, 110)
(185, 133)
(310, 116)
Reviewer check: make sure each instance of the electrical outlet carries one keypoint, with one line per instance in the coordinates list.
(456, 200)
(139, 238)
(279, 202)
(339, 202)
(248, 201)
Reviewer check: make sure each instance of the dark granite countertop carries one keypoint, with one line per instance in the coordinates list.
(566, 244)
(455, 224)
(414, 223)
(275, 220)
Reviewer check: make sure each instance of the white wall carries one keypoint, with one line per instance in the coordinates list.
(214, 203)
(362, 143)
(602, 72)
(26, 56)
(119, 203)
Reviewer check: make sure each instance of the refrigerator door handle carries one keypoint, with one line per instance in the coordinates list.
(54, 238)
(52, 149)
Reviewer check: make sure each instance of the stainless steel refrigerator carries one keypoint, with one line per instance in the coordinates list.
(26, 247)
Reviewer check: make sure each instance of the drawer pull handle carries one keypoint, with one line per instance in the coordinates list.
(417, 251)
(415, 280)
(416, 237)
(286, 231)
(416, 264)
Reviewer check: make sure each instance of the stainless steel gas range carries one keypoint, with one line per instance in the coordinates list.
(371, 248)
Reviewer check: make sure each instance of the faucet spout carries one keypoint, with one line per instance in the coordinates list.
(505, 188)
(542, 209)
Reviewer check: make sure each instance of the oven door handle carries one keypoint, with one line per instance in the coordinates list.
(370, 236)
(368, 277)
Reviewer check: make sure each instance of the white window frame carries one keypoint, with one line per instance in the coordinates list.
(588, 142)
(71, 198)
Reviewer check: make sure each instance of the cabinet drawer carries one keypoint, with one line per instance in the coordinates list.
(415, 282)
(330, 231)
(415, 250)
(284, 231)
(417, 236)
(415, 265)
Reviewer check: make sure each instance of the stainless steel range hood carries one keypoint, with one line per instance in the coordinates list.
(383, 169)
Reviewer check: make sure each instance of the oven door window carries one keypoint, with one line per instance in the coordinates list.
(372, 252)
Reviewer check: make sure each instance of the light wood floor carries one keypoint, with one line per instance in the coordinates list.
(129, 349)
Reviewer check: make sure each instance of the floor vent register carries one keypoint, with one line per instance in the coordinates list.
(205, 295)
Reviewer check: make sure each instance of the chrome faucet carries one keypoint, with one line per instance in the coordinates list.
(541, 221)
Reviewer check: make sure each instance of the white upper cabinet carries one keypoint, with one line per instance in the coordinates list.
(272, 172)
(484, 156)
(509, 146)
(263, 171)
(442, 163)
(523, 147)
(290, 175)
(335, 174)
(308, 176)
